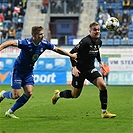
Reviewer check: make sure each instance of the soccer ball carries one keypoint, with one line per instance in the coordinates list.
(112, 24)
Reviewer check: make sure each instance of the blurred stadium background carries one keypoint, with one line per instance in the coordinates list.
(65, 23)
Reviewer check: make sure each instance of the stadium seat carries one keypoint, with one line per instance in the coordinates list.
(123, 42)
(114, 5)
(104, 41)
(130, 34)
(117, 41)
(131, 12)
(103, 34)
(119, 5)
(120, 11)
(110, 41)
(130, 42)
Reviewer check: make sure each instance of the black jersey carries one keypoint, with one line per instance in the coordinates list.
(87, 51)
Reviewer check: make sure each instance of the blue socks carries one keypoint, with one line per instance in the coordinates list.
(20, 102)
(8, 94)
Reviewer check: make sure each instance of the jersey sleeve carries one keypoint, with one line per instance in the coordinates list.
(22, 44)
(73, 62)
(74, 50)
(48, 44)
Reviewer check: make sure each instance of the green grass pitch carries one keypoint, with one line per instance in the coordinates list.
(82, 115)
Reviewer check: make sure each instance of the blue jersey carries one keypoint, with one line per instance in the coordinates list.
(30, 53)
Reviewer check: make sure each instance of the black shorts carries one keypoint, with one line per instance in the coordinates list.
(90, 75)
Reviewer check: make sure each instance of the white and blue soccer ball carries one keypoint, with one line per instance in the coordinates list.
(112, 24)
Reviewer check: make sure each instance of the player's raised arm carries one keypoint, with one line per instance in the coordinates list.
(63, 52)
(8, 43)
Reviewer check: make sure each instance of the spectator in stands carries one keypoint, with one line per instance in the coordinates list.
(105, 72)
(125, 32)
(102, 19)
(9, 8)
(70, 6)
(126, 4)
(16, 11)
(16, 3)
(100, 10)
(103, 27)
(53, 6)
(78, 8)
(111, 11)
(126, 16)
(59, 6)
(118, 33)
(110, 35)
(44, 6)
(19, 25)
(125, 22)
(2, 17)
(131, 5)
(22, 10)
(12, 33)
(3, 10)
(119, 16)
(9, 16)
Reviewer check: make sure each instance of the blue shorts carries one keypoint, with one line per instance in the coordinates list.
(21, 79)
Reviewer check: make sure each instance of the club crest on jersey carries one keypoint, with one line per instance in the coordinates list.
(41, 50)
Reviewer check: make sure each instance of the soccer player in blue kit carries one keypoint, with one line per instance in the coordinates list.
(22, 72)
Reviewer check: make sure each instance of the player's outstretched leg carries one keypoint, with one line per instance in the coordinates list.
(55, 97)
(106, 114)
(1, 95)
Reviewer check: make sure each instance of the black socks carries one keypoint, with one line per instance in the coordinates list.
(66, 94)
(103, 99)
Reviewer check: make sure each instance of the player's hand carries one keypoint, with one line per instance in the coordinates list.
(74, 56)
(75, 71)
(101, 66)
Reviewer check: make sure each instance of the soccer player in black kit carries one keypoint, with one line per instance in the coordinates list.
(87, 50)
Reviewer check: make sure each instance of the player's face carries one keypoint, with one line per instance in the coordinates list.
(95, 32)
(38, 37)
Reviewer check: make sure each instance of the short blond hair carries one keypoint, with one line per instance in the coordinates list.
(94, 24)
(36, 29)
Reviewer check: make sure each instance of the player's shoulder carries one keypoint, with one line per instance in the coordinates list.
(44, 41)
(24, 41)
(86, 38)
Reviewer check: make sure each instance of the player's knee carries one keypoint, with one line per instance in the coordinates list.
(75, 95)
(29, 94)
(15, 96)
(103, 86)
